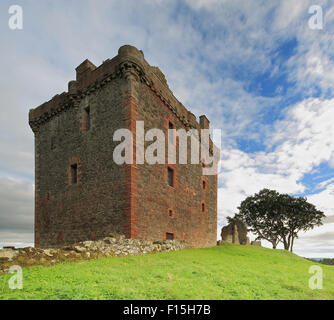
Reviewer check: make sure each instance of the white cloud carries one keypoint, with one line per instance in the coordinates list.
(318, 242)
(206, 4)
(289, 14)
(16, 211)
(324, 200)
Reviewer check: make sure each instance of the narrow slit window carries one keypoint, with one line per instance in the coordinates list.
(74, 173)
(171, 133)
(204, 184)
(170, 125)
(203, 207)
(53, 143)
(170, 177)
(87, 118)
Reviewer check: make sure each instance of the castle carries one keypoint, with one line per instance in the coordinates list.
(82, 194)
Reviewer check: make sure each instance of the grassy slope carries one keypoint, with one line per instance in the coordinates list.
(226, 272)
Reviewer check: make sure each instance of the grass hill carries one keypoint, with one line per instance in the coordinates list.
(223, 272)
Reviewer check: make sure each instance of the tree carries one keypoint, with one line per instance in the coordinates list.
(278, 217)
(300, 215)
(262, 214)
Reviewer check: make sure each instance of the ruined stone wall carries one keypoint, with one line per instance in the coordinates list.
(235, 232)
(114, 246)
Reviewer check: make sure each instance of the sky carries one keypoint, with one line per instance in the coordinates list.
(256, 68)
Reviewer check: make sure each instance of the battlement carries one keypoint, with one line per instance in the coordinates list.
(90, 78)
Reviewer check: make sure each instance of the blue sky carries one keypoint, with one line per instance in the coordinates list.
(254, 67)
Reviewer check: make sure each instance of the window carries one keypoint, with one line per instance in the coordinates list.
(170, 213)
(60, 237)
(170, 177)
(74, 173)
(203, 207)
(87, 119)
(170, 125)
(53, 143)
(203, 184)
(169, 236)
(171, 133)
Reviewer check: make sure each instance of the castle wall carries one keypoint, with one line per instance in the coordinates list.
(154, 198)
(96, 205)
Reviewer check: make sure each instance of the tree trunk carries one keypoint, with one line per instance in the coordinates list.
(292, 240)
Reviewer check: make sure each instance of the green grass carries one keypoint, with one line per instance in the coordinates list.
(224, 272)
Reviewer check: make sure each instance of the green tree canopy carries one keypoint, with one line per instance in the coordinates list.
(278, 217)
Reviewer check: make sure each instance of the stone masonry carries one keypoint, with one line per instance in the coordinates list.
(235, 232)
(113, 246)
(81, 194)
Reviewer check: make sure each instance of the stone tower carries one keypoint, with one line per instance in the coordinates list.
(82, 194)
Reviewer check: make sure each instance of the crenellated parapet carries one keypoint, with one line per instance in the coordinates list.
(129, 62)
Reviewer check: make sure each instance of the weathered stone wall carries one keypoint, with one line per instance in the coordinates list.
(154, 197)
(235, 232)
(114, 246)
(95, 206)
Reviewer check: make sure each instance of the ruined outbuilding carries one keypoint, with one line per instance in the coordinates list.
(235, 232)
